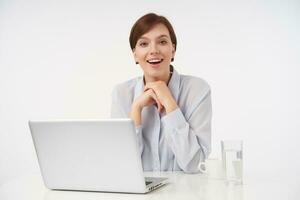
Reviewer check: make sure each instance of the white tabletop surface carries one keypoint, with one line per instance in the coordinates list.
(181, 186)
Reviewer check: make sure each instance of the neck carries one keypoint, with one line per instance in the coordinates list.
(165, 78)
(148, 79)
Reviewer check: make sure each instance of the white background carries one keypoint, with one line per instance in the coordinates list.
(61, 59)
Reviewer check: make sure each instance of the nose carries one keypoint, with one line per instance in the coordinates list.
(154, 49)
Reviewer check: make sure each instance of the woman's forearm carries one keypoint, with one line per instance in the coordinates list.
(135, 114)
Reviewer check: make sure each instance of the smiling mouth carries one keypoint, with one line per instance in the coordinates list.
(154, 62)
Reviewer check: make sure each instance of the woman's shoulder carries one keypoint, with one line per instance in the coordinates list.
(194, 83)
(126, 87)
(193, 90)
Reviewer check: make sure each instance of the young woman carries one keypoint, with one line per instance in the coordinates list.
(172, 112)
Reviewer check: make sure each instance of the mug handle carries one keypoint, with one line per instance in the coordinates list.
(202, 167)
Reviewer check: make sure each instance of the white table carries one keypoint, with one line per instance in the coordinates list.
(182, 186)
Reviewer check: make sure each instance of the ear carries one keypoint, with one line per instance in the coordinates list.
(134, 55)
(173, 50)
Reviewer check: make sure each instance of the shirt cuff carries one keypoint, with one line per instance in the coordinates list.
(174, 119)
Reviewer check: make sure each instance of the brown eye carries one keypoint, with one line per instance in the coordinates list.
(163, 42)
(143, 44)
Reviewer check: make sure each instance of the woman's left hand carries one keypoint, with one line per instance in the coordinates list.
(163, 94)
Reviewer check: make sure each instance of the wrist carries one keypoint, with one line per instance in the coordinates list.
(135, 114)
(171, 106)
(136, 107)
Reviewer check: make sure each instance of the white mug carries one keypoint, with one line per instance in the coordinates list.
(213, 168)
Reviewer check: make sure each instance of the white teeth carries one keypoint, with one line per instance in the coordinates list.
(154, 60)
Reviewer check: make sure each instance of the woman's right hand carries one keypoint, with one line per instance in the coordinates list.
(147, 98)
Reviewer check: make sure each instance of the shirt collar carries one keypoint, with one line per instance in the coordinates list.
(173, 85)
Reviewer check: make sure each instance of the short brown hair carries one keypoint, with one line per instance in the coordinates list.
(145, 23)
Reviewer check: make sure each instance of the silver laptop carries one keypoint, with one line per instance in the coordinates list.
(91, 155)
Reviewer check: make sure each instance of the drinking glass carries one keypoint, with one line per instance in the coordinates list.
(232, 157)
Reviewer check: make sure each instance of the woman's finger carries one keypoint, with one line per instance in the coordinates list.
(149, 86)
(159, 105)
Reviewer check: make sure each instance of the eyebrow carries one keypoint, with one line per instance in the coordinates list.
(156, 37)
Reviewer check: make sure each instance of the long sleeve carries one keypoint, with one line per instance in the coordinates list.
(190, 137)
(118, 110)
(175, 141)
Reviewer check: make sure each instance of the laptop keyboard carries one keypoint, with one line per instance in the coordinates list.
(148, 182)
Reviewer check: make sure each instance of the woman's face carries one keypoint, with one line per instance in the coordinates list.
(154, 51)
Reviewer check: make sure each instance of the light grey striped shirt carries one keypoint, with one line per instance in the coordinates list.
(175, 141)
